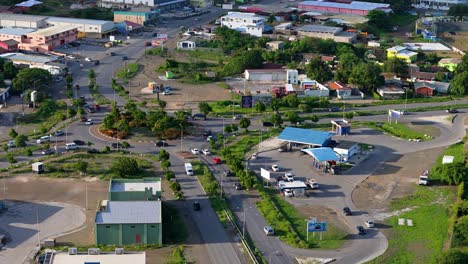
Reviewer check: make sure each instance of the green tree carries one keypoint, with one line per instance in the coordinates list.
(292, 100)
(276, 119)
(314, 118)
(453, 256)
(125, 167)
(81, 166)
(379, 19)
(400, 6)
(163, 155)
(21, 140)
(459, 84)
(453, 173)
(91, 75)
(13, 133)
(244, 123)
(11, 158)
(292, 117)
(125, 145)
(366, 76)
(162, 104)
(347, 61)
(349, 115)
(9, 70)
(318, 70)
(259, 107)
(165, 164)
(227, 129)
(460, 232)
(397, 66)
(204, 107)
(458, 10)
(275, 104)
(28, 152)
(34, 78)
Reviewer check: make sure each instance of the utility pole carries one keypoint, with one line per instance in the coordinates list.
(181, 136)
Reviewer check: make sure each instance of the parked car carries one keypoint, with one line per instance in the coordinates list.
(167, 92)
(268, 230)
(289, 177)
(112, 53)
(195, 151)
(116, 145)
(361, 230)
(216, 160)
(209, 138)
(333, 109)
(268, 124)
(59, 133)
(43, 139)
(124, 58)
(196, 206)
(237, 186)
(227, 173)
(370, 223)
(199, 115)
(11, 144)
(87, 59)
(452, 111)
(206, 152)
(275, 167)
(207, 133)
(347, 211)
(71, 146)
(48, 151)
(79, 142)
(92, 151)
(161, 144)
(288, 193)
(237, 117)
(89, 122)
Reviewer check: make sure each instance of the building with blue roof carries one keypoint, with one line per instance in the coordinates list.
(306, 136)
(128, 222)
(352, 7)
(322, 154)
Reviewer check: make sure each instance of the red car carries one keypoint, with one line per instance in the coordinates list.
(216, 160)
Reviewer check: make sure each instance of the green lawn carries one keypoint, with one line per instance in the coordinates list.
(455, 150)
(129, 71)
(399, 130)
(424, 242)
(207, 55)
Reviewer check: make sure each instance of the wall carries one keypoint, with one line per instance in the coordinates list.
(343, 39)
(424, 91)
(154, 233)
(131, 196)
(266, 76)
(107, 234)
(133, 233)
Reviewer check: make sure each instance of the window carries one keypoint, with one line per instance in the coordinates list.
(132, 226)
(107, 226)
(153, 226)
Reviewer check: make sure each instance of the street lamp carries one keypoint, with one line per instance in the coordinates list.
(181, 136)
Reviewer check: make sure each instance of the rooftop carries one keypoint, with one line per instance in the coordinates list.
(338, 86)
(242, 15)
(305, 136)
(10, 42)
(291, 185)
(77, 20)
(53, 30)
(130, 212)
(16, 31)
(103, 258)
(425, 46)
(19, 17)
(450, 60)
(344, 144)
(356, 5)
(340, 123)
(266, 70)
(322, 154)
(28, 57)
(432, 85)
(136, 185)
(320, 29)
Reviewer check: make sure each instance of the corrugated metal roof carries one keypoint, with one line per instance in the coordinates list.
(19, 17)
(322, 154)
(28, 57)
(355, 5)
(130, 212)
(77, 21)
(305, 136)
(53, 30)
(320, 29)
(16, 31)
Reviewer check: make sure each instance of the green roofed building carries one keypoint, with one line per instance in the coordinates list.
(146, 189)
(128, 222)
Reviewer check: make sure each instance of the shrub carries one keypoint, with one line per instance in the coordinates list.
(28, 152)
(125, 167)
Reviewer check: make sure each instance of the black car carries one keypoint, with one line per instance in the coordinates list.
(124, 58)
(112, 53)
(267, 124)
(199, 115)
(79, 142)
(452, 111)
(347, 211)
(196, 206)
(93, 151)
(333, 109)
(361, 230)
(48, 152)
(237, 186)
(227, 173)
(161, 144)
(207, 133)
(116, 145)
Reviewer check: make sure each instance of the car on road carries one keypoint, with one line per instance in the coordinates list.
(87, 59)
(216, 160)
(71, 146)
(112, 53)
(347, 211)
(196, 19)
(161, 144)
(404, 112)
(167, 92)
(227, 173)
(452, 33)
(361, 230)
(289, 177)
(92, 151)
(275, 167)
(199, 115)
(268, 230)
(124, 58)
(11, 144)
(209, 138)
(206, 152)
(196, 206)
(237, 186)
(79, 142)
(452, 111)
(116, 145)
(48, 151)
(71, 57)
(370, 223)
(43, 139)
(333, 109)
(207, 133)
(237, 117)
(288, 193)
(195, 151)
(59, 133)
(267, 124)
(89, 122)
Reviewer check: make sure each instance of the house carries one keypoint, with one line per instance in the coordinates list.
(312, 88)
(428, 88)
(145, 189)
(422, 76)
(436, 4)
(142, 16)
(275, 45)
(391, 90)
(402, 53)
(307, 57)
(272, 75)
(128, 222)
(343, 7)
(9, 45)
(449, 63)
(326, 32)
(346, 149)
(249, 23)
(341, 90)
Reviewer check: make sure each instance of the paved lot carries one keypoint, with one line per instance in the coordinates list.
(25, 223)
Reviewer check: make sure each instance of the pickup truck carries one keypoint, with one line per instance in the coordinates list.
(424, 178)
(312, 183)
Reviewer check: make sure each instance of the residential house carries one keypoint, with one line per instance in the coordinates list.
(449, 63)
(275, 45)
(402, 53)
(437, 4)
(422, 76)
(428, 88)
(9, 45)
(330, 60)
(340, 89)
(249, 23)
(392, 89)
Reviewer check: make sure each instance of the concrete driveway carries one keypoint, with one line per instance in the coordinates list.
(27, 223)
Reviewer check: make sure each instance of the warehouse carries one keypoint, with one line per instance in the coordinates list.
(128, 222)
(89, 28)
(352, 7)
(146, 189)
(22, 21)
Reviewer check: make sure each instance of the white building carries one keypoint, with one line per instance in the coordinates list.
(272, 75)
(22, 21)
(249, 23)
(86, 26)
(437, 4)
(162, 4)
(346, 149)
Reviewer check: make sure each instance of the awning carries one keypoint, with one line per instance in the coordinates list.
(322, 154)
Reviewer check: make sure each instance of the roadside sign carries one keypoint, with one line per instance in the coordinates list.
(316, 226)
(265, 174)
(246, 101)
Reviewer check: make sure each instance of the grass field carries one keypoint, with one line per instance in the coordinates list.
(400, 131)
(423, 242)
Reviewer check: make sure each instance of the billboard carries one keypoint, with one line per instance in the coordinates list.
(265, 174)
(246, 101)
(313, 226)
(394, 114)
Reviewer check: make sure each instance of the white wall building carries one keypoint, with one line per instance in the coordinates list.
(272, 75)
(346, 149)
(437, 4)
(22, 21)
(84, 25)
(249, 23)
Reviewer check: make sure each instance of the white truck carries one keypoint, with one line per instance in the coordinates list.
(424, 178)
(189, 169)
(312, 183)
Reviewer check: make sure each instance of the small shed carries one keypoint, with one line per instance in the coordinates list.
(346, 149)
(38, 167)
(341, 127)
(298, 187)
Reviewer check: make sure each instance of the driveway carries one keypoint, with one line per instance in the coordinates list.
(27, 223)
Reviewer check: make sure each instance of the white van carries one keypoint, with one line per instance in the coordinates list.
(189, 169)
(71, 146)
(43, 139)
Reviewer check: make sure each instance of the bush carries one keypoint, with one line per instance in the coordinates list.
(125, 167)
(460, 232)
(168, 175)
(453, 173)
(453, 256)
(125, 145)
(28, 152)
